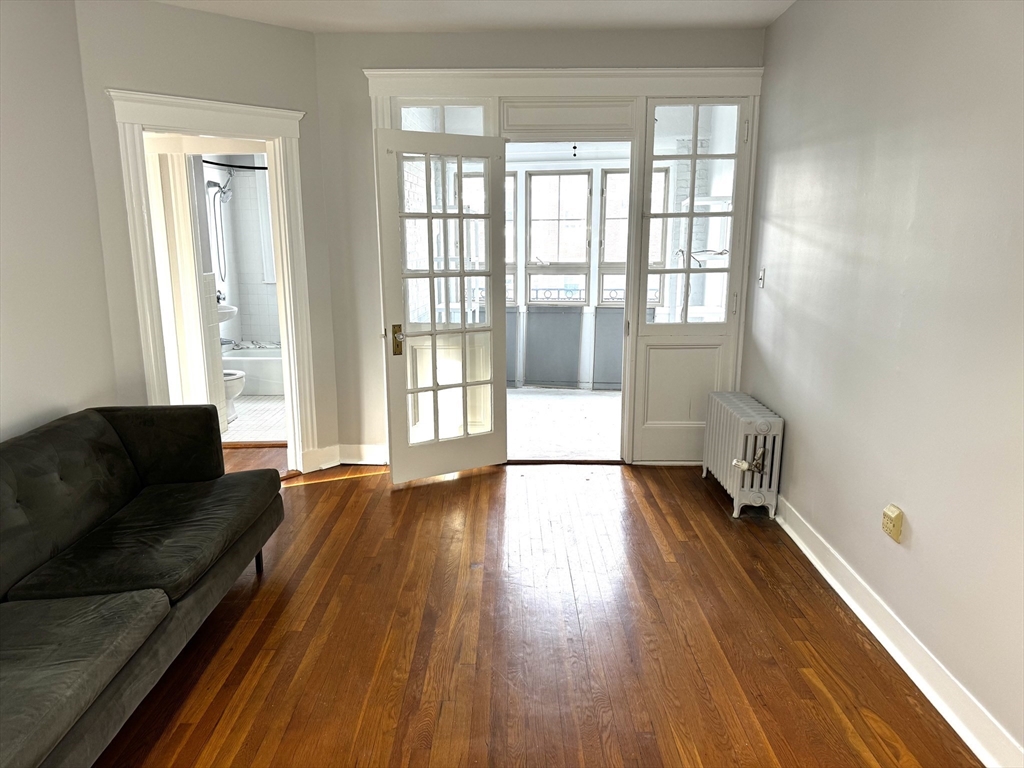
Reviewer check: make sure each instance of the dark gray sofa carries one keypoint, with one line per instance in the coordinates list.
(119, 534)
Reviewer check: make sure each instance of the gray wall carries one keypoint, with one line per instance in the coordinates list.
(55, 341)
(608, 338)
(348, 158)
(553, 346)
(163, 49)
(889, 332)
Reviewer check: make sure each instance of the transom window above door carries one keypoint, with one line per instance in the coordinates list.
(464, 119)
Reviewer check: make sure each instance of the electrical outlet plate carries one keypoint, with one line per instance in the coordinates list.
(892, 521)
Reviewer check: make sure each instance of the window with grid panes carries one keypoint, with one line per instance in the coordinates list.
(558, 236)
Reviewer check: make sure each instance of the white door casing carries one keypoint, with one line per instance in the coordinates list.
(551, 105)
(692, 270)
(442, 243)
(136, 113)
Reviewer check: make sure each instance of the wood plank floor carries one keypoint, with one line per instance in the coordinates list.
(536, 616)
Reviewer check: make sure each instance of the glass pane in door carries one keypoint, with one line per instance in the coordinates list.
(413, 186)
(716, 129)
(478, 406)
(714, 187)
(708, 296)
(417, 304)
(421, 417)
(478, 356)
(444, 184)
(449, 413)
(449, 358)
(665, 297)
(673, 129)
(414, 245)
(670, 186)
(419, 362)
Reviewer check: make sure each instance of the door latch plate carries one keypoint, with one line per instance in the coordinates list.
(397, 337)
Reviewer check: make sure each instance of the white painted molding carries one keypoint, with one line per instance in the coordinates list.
(333, 455)
(993, 745)
(364, 454)
(157, 112)
(578, 83)
(140, 235)
(279, 130)
(293, 298)
(586, 118)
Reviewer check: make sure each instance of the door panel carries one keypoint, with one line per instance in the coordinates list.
(438, 195)
(697, 170)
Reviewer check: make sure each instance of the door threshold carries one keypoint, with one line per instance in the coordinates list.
(257, 444)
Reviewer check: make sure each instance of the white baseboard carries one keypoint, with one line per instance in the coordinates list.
(364, 454)
(333, 455)
(993, 745)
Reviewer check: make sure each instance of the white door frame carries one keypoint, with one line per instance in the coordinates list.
(597, 104)
(279, 128)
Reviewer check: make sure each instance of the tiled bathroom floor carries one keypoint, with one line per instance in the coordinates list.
(260, 419)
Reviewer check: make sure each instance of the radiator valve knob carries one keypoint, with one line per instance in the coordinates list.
(740, 464)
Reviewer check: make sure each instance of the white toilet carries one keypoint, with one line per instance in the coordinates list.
(234, 383)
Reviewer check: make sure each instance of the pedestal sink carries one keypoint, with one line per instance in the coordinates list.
(225, 312)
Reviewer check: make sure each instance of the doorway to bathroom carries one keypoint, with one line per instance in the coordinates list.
(162, 142)
(217, 280)
(237, 207)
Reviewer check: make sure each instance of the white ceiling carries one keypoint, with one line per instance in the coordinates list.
(476, 15)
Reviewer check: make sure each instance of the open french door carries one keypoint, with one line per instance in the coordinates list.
(441, 207)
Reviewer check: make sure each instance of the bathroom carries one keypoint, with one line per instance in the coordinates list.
(242, 253)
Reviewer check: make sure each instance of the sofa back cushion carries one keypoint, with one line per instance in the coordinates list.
(57, 482)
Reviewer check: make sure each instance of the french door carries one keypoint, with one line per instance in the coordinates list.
(441, 208)
(692, 264)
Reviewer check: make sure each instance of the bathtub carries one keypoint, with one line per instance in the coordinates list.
(262, 367)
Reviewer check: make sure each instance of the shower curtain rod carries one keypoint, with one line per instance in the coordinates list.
(239, 167)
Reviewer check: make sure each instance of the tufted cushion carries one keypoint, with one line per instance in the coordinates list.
(56, 483)
(166, 538)
(57, 656)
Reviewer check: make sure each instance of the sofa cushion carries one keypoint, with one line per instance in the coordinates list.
(165, 539)
(57, 656)
(56, 483)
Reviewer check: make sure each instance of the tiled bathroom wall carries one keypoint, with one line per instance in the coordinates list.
(251, 283)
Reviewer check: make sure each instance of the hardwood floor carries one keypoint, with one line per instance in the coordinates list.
(532, 615)
(260, 457)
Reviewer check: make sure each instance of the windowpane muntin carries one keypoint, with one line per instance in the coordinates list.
(440, 116)
(449, 298)
(689, 209)
(558, 236)
(558, 218)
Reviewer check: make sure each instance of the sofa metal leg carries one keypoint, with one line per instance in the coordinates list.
(259, 563)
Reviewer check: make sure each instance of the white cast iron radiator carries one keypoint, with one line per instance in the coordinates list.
(743, 449)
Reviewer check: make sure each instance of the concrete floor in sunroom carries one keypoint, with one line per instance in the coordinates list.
(564, 424)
